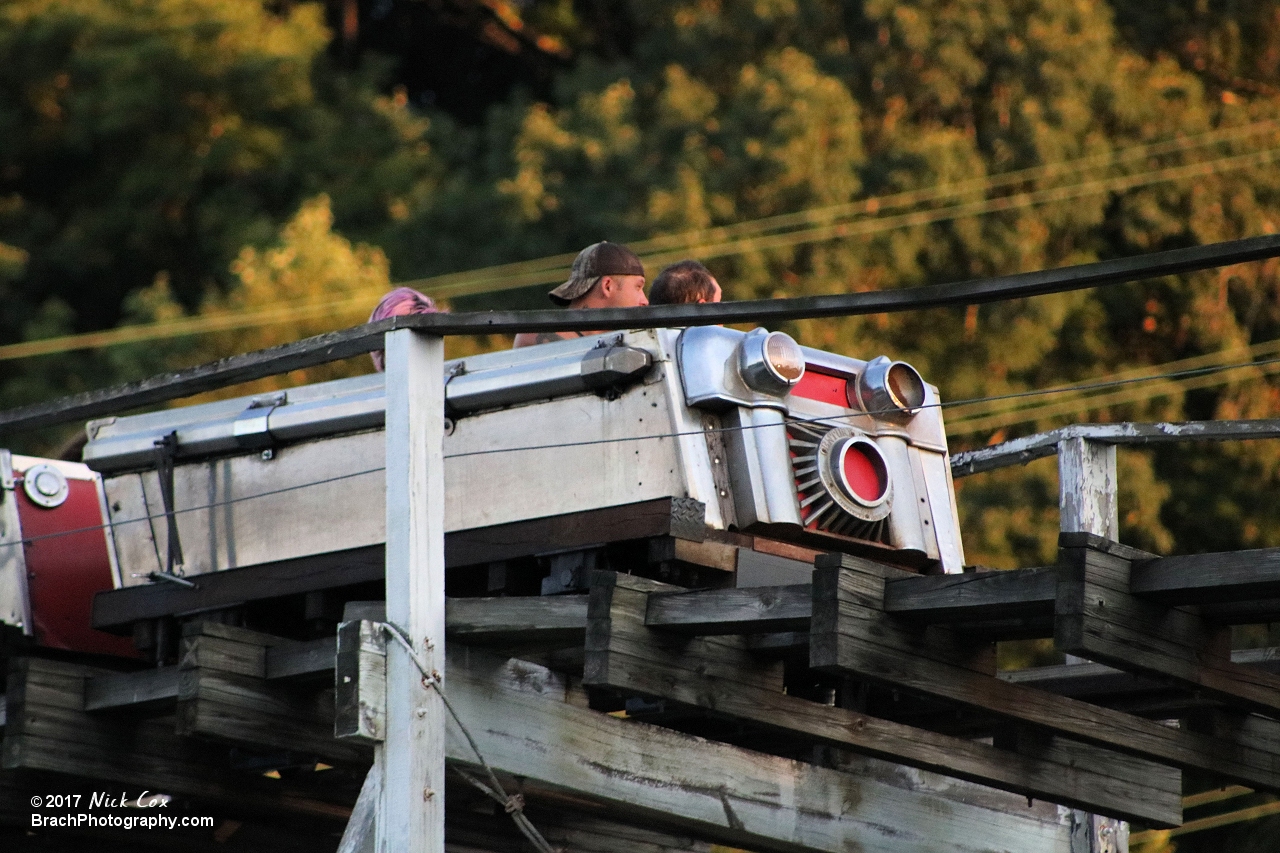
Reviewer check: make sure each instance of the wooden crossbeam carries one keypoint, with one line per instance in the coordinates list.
(753, 610)
(533, 620)
(721, 674)
(1006, 605)
(853, 635)
(1209, 578)
(663, 518)
(524, 727)
(1099, 618)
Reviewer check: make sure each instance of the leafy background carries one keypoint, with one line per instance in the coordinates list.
(162, 160)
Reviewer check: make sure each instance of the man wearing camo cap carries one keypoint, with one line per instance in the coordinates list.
(604, 275)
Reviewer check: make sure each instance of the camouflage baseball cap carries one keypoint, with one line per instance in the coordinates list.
(599, 259)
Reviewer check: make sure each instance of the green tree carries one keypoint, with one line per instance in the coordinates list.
(156, 138)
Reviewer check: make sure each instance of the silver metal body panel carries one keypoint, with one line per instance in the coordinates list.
(15, 603)
(329, 494)
(556, 450)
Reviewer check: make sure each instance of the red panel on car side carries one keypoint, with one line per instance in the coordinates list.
(67, 563)
(823, 387)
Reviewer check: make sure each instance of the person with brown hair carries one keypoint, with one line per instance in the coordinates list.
(684, 282)
(604, 275)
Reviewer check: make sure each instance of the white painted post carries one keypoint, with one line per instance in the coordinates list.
(1087, 501)
(1087, 488)
(411, 811)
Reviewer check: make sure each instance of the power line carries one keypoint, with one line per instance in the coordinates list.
(726, 241)
(505, 274)
(995, 413)
(984, 407)
(1182, 380)
(334, 346)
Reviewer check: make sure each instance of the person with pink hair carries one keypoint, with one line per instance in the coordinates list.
(398, 303)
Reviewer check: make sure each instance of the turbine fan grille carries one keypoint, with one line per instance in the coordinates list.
(822, 506)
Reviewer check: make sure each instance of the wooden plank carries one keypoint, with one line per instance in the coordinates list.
(117, 610)
(723, 793)
(334, 346)
(136, 691)
(1209, 578)
(720, 674)
(553, 620)
(1099, 619)
(246, 711)
(301, 660)
(411, 812)
(852, 635)
(974, 597)
(709, 554)
(1020, 451)
(753, 610)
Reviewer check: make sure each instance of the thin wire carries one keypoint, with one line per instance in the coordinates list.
(980, 421)
(828, 418)
(214, 505)
(869, 206)
(733, 239)
(513, 804)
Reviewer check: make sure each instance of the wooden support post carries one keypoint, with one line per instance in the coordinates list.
(1087, 488)
(1099, 618)
(411, 811)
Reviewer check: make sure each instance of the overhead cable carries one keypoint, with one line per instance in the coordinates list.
(716, 242)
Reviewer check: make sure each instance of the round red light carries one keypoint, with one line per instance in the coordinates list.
(863, 471)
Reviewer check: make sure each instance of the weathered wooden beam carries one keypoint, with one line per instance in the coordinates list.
(975, 599)
(136, 691)
(1097, 617)
(532, 620)
(48, 730)
(721, 674)
(301, 659)
(223, 694)
(676, 518)
(411, 811)
(528, 727)
(1209, 578)
(1020, 451)
(853, 635)
(753, 610)
(722, 793)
